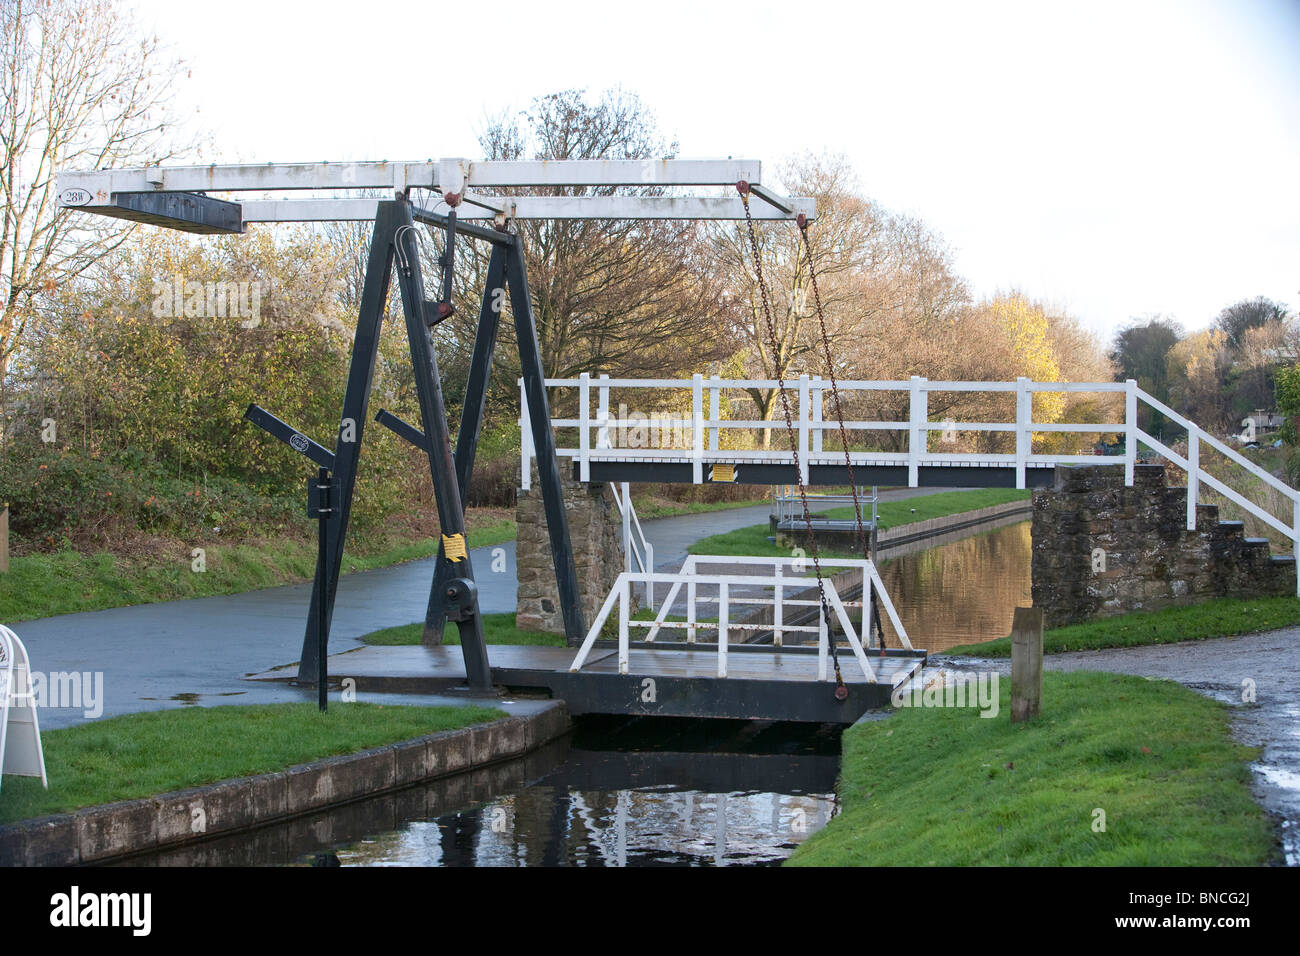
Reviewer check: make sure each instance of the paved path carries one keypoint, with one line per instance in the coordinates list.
(1221, 668)
(179, 653)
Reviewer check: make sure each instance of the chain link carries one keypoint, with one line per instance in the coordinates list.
(839, 417)
(789, 427)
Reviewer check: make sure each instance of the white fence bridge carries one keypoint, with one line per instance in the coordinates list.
(682, 430)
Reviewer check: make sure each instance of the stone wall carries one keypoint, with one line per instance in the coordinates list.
(1150, 558)
(595, 528)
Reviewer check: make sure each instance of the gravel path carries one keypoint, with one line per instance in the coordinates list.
(1225, 669)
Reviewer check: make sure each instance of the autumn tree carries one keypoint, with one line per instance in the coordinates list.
(80, 88)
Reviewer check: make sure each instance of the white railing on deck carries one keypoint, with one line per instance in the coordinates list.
(636, 549)
(702, 433)
(768, 586)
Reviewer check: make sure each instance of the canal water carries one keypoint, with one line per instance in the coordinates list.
(642, 792)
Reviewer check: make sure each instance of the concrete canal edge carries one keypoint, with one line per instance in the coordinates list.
(920, 530)
(109, 832)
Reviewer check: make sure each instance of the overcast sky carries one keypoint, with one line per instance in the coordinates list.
(1116, 159)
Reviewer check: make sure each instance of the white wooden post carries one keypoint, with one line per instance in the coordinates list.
(1193, 476)
(602, 413)
(916, 433)
(804, 476)
(1024, 427)
(626, 509)
(817, 413)
(690, 608)
(823, 644)
(867, 632)
(584, 425)
(525, 441)
(722, 629)
(649, 566)
(1130, 429)
(777, 610)
(1295, 540)
(624, 601)
(697, 417)
(715, 412)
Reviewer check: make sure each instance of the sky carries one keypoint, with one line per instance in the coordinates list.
(1114, 159)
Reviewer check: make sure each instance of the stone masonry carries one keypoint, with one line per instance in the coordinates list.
(1101, 549)
(594, 527)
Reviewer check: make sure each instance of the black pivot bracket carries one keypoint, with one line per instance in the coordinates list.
(324, 499)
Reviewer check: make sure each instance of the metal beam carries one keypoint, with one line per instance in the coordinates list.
(539, 207)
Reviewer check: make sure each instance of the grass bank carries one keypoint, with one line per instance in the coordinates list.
(943, 786)
(66, 582)
(140, 755)
(1221, 617)
(892, 514)
(497, 629)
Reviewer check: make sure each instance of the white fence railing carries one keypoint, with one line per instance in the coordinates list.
(697, 438)
(769, 586)
(636, 549)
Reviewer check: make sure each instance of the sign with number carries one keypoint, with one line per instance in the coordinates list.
(20, 735)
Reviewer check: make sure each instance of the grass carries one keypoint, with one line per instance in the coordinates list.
(649, 506)
(753, 539)
(943, 786)
(140, 755)
(67, 582)
(497, 629)
(1221, 617)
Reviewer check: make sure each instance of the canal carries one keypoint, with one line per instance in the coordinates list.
(648, 792)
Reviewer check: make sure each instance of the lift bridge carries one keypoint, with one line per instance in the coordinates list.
(735, 637)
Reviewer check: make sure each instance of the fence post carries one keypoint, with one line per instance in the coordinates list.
(722, 629)
(584, 425)
(4, 543)
(1130, 429)
(1024, 427)
(697, 417)
(1295, 540)
(817, 413)
(525, 441)
(777, 615)
(1026, 663)
(823, 645)
(625, 506)
(624, 602)
(917, 436)
(805, 478)
(1193, 480)
(715, 412)
(602, 414)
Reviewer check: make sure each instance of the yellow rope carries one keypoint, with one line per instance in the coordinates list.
(453, 546)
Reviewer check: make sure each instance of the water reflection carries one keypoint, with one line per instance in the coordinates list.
(633, 807)
(964, 591)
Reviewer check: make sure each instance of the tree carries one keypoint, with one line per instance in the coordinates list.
(1141, 352)
(1240, 317)
(81, 89)
(626, 297)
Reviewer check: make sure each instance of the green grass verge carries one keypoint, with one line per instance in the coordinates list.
(650, 507)
(67, 582)
(943, 786)
(892, 514)
(140, 755)
(1221, 617)
(497, 629)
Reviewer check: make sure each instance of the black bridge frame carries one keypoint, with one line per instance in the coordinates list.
(452, 595)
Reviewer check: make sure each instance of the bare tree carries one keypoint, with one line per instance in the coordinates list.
(626, 297)
(80, 88)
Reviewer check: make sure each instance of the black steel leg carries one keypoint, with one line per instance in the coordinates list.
(433, 414)
(548, 468)
(365, 348)
(471, 421)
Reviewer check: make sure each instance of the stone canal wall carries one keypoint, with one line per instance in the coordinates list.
(1101, 549)
(118, 830)
(595, 528)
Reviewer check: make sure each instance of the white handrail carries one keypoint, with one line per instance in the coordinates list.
(644, 556)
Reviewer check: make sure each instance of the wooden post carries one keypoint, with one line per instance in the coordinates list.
(1026, 663)
(4, 538)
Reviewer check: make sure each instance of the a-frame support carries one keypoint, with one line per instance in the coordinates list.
(394, 237)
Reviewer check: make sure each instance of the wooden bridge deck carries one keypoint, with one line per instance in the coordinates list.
(664, 681)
